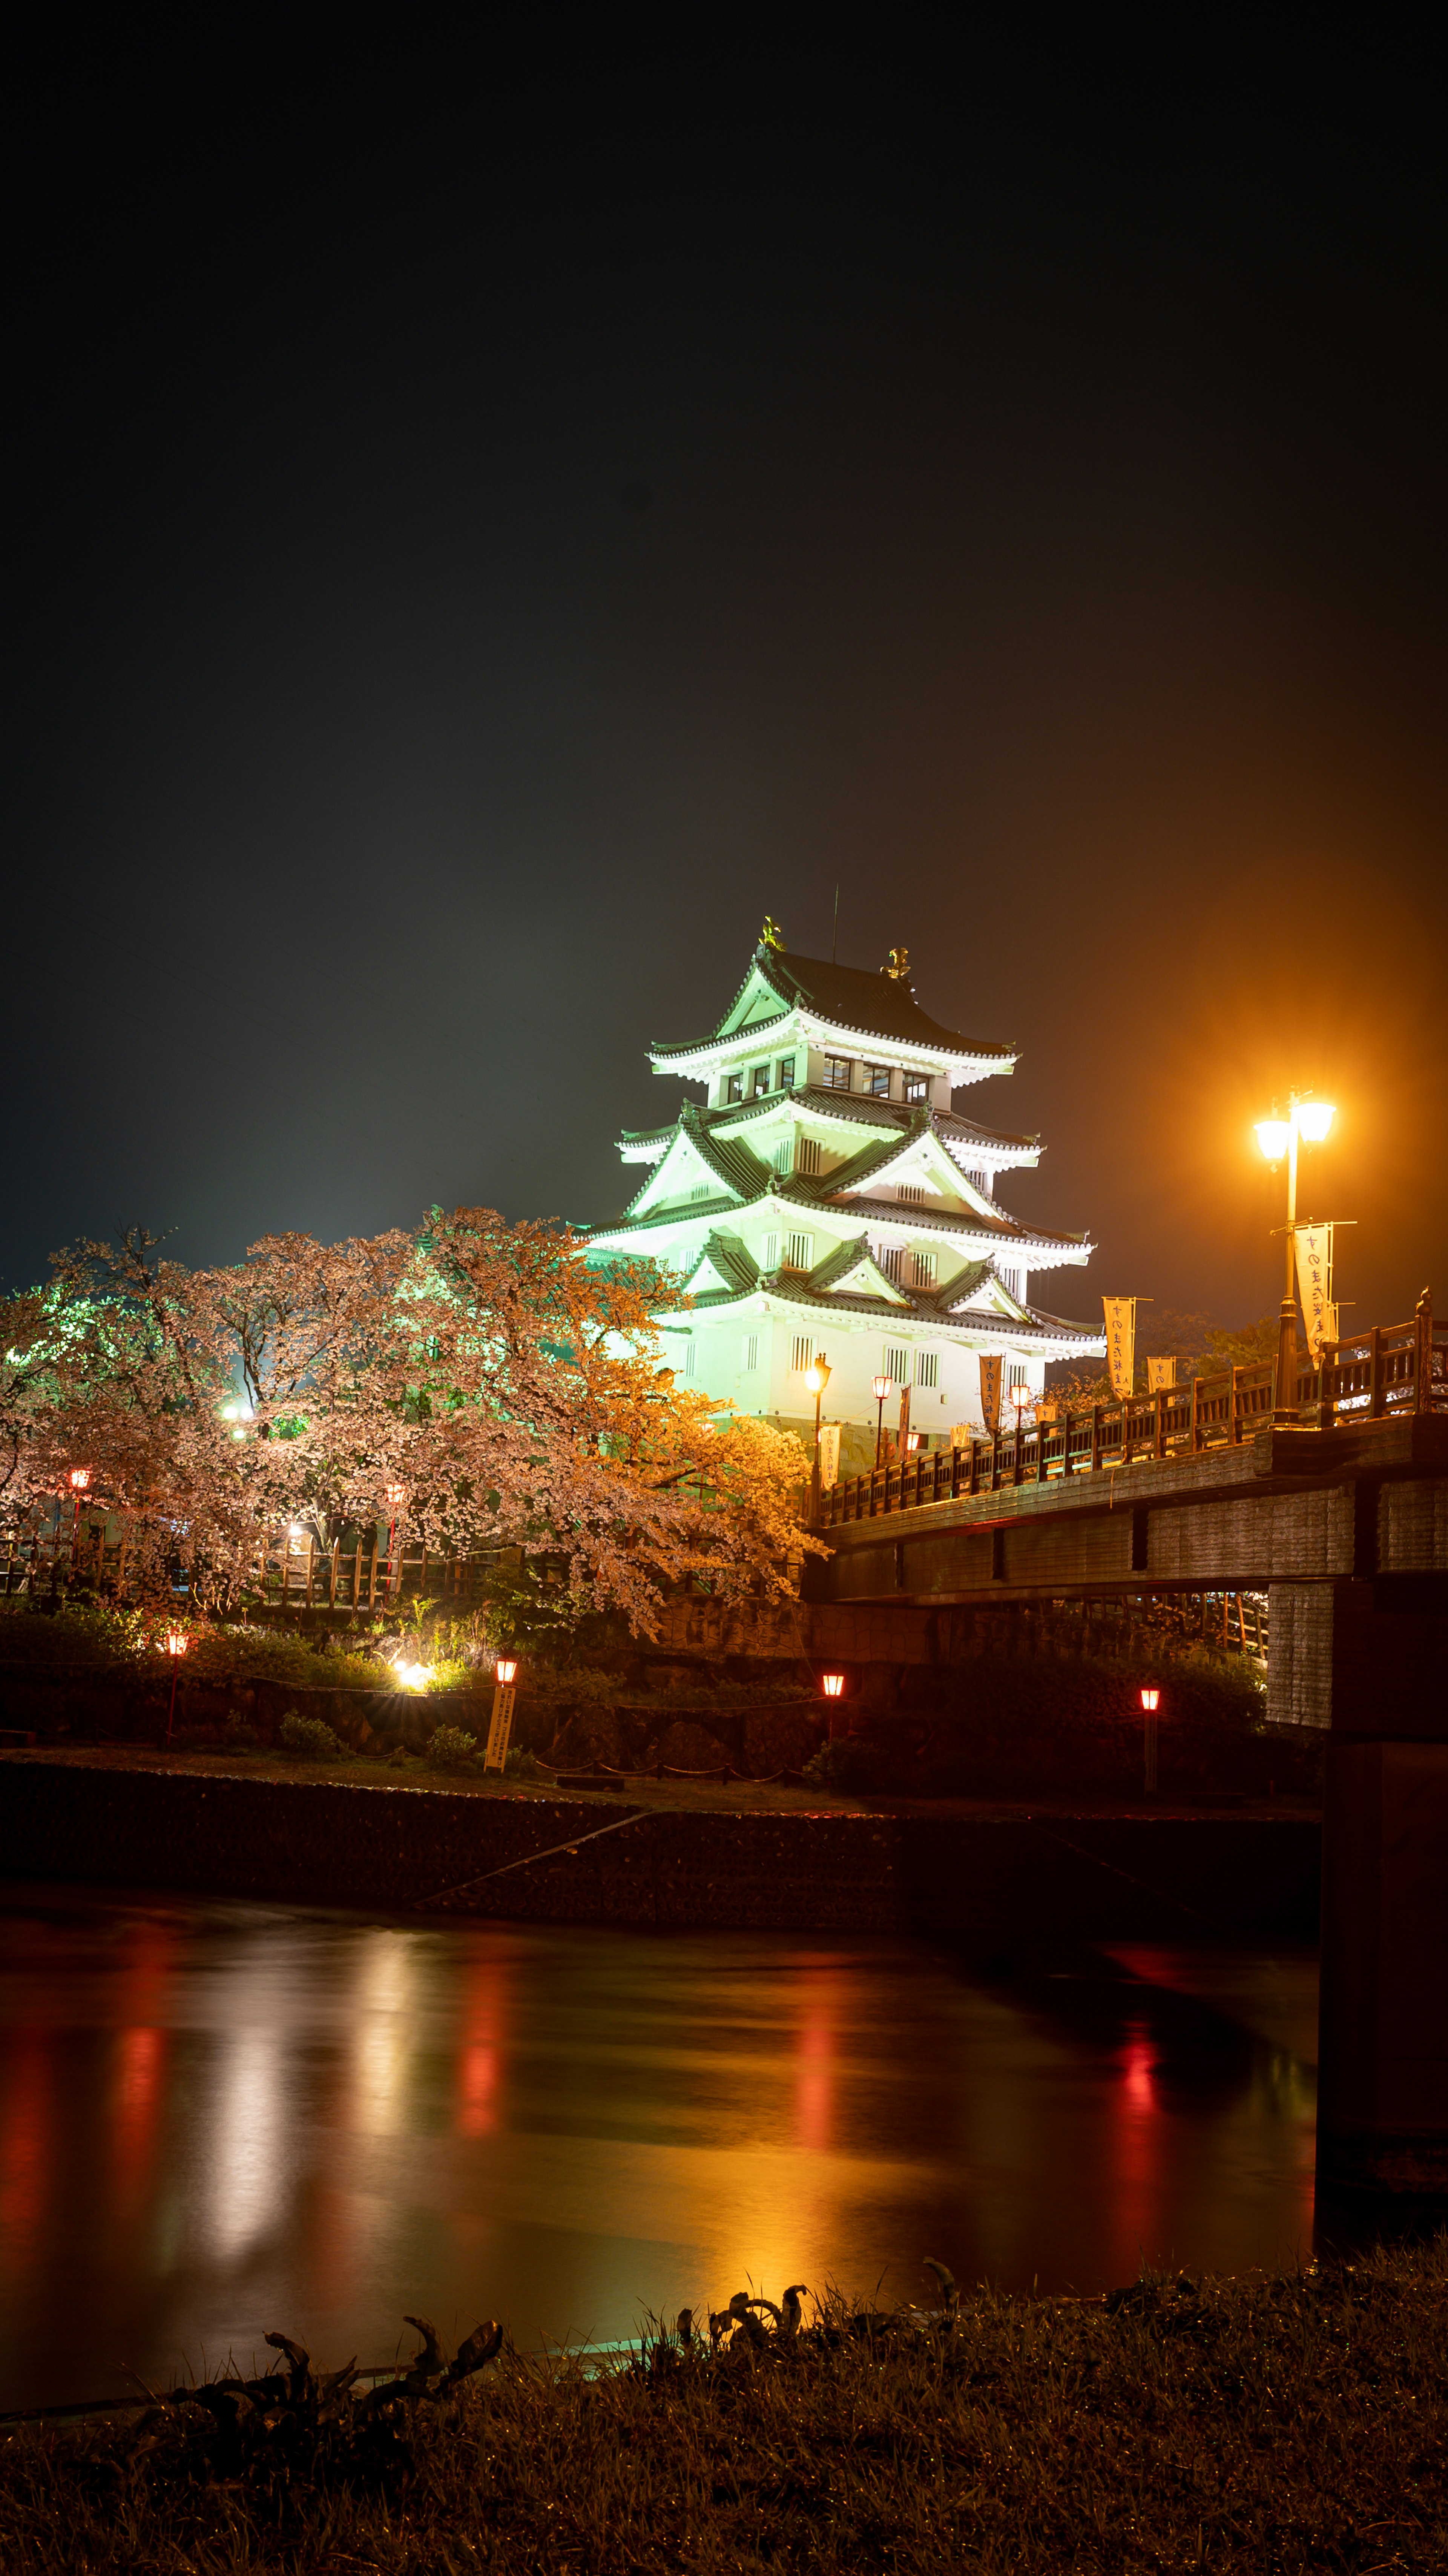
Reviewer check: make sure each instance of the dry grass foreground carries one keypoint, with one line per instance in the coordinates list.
(1249, 2424)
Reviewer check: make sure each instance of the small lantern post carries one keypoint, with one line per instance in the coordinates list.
(1150, 1702)
(177, 1642)
(502, 1726)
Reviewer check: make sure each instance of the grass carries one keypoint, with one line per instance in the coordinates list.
(1270, 2425)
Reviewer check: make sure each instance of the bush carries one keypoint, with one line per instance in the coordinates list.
(851, 1764)
(306, 1739)
(519, 1764)
(238, 1736)
(450, 1749)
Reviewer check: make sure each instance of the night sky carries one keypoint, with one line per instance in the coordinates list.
(488, 525)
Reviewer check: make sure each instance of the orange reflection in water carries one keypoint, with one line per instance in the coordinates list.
(814, 2082)
(26, 2154)
(482, 2047)
(1138, 2138)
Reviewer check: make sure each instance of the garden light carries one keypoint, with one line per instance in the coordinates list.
(507, 1670)
(495, 1757)
(1150, 1698)
(80, 1477)
(411, 1676)
(833, 1685)
(177, 1642)
(880, 1387)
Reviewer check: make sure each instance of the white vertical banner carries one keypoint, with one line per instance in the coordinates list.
(1314, 1285)
(990, 1395)
(829, 1455)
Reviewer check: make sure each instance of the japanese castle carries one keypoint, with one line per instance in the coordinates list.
(824, 1198)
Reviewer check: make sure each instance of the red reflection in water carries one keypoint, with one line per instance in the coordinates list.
(1138, 2134)
(26, 2155)
(814, 2084)
(136, 2105)
(482, 2042)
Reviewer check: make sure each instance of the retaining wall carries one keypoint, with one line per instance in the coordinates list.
(980, 1879)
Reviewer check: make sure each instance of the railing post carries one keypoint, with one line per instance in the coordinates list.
(1196, 1415)
(1375, 1364)
(995, 1460)
(1041, 1462)
(1095, 1438)
(1423, 1354)
(1235, 1432)
(975, 1450)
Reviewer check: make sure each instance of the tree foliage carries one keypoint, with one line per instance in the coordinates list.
(476, 1381)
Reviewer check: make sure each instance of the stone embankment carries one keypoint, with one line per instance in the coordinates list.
(983, 1876)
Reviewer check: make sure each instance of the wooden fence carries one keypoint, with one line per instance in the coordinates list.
(1374, 1376)
(356, 1575)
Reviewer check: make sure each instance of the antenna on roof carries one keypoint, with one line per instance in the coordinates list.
(834, 943)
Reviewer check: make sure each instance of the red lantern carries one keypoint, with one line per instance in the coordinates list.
(507, 1671)
(833, 1685)
(1150, 1698)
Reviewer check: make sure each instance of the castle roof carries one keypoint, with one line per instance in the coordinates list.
(850, 999)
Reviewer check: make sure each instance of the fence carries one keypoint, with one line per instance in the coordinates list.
(358, 1574)
(1374, 1376)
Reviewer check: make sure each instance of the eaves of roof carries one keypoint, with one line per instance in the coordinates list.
(794, 1291)
(849, 998)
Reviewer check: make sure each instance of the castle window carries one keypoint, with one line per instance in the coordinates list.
(837, 1073)
(912, 1191)
(917, 1090)
(799, 1252)
(734, 1087)
(701, 1190)
(751, 1353)
(761, 1082)
(809, 1158)
(897, 1366)
(890, 1257)
(786, 1073)
(799, 1353)
(771, 1252)
(927, 1368)
(781, 1156)
(879, 1080)
(922, 1270)
(689, 1361)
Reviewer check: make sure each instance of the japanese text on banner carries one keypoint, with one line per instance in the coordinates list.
(1121, 1342)
(990, 1395)
(1314, 1285)
(1160, 1374)
(829, 1455)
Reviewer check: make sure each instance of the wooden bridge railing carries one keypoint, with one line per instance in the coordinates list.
(356, 1574)
(1373, 1376)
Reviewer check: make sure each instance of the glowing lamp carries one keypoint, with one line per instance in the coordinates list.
(411, 1676)
(80, 1477)
(1274, 1135)
(1314, 1117)
(1150, 1696)
(912, 1440)
(507, 1670)
(1020, 1397)
(394, 1494)
(295, 1530)
(817, 1376)
(177, 1641)
(833, 1685)
(880, 1387)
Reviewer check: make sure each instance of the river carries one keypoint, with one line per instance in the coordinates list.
(217, 2118)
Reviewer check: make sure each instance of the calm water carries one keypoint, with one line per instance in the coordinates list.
(219, 2118)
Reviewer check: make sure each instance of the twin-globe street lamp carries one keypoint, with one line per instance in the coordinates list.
(817, 1377)
(1307, 1120)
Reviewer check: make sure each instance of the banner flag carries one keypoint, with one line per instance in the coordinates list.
(829, 1455)
(1121, 1343)
(1314, 1285)
(1160, 1374)
(990, 1395)
(904, 1419)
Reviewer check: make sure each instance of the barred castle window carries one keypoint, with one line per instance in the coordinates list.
(927, 1368)
(781, 1155)
(799, 1252)
(809, 1158)
(891, 1258)
(751, 1353)
(799, 1353)
(922, 1269)
(912, 1191)
(700, 1190)
(897, 1365)
(771, 1252)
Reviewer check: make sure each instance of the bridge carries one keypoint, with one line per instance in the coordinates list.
(1337, 1507)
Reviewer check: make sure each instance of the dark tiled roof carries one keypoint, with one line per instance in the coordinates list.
(845, 1259)
(734, 1262)
(852, 998)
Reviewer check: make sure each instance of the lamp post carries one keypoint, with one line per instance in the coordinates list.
(1150, 1702)
(396, 1496)
(79, 1479)
(833, 1686)
(816, 1377)
(882, 1386)
(177, 1642)
(1308, 1120)
(502, 1725)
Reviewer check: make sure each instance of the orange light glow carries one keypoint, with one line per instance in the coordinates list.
(177, 1641)
(80, 1477)
(507, 1670)
(833, 1685)
(1150, 1697)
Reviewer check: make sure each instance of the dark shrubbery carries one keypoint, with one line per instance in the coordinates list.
(306, 1739)
(451, 1748)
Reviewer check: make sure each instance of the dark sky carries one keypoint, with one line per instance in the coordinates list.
(488, 525)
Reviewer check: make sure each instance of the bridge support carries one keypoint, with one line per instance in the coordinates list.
(1371, 1656)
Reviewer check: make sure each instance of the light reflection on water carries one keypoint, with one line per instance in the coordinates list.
(220, 2118)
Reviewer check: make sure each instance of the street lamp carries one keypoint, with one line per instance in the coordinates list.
(177, 1642)
(1308, 1120)
(1150, 1701)
(79, 1479)
(502, 1726)
(833, 1685)
(817, 1377)
(882, 1386)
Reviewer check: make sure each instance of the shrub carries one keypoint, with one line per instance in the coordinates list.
(238, 1736)
(306, 1739)
(519, 1764)
(450, 1749)
(850, 1764)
